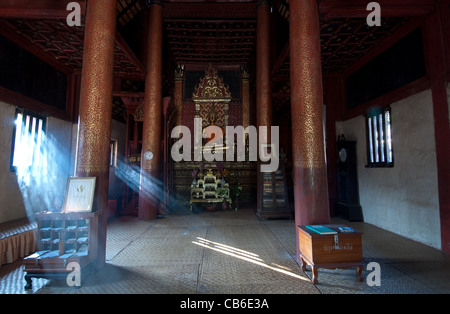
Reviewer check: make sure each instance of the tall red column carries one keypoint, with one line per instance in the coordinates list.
(94, 130)
(150, 192)
(309, 166)
(263, 68)
(263, 79)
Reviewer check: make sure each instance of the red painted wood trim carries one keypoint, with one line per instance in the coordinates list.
(384, 45)
(444, 12)
(37, 9)
(386, 99)
(19, 100)
(396, 95)
(8, 32)
(220, 10)
(389, 8)
(435, 62)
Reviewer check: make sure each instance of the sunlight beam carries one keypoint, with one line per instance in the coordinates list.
(241, 254)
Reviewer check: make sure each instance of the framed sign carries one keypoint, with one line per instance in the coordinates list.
(79, 194)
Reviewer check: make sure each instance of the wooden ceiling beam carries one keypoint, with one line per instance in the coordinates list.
(389, 8)
(281, 60)
(7, 31)
(213, 10)
(130, 54)
(36, 9)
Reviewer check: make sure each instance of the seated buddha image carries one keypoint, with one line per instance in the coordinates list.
(213, 137)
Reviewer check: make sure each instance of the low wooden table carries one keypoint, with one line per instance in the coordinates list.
(341, 250)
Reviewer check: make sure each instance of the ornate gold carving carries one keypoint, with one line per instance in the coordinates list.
(139, 113)
(179, 72)
(244, 73)
(178, 92)
(211, 88)
(245, 97)
(211, 94)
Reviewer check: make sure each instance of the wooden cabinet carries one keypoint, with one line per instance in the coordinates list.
(347, 206)
(273, 195)
(339, 250)
(62, 238)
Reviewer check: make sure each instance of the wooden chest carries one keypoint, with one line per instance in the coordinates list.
(340, 250)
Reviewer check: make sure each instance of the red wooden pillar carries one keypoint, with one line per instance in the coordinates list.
(94, 130)
(263, 68)
(263, 79)
(150, 192)
(309, 166)
(436, 70)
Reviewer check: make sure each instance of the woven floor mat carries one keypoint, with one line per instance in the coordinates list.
(134, 280)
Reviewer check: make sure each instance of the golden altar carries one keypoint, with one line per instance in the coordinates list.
(209, 188)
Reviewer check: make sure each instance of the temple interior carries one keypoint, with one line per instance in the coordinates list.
(201, 134)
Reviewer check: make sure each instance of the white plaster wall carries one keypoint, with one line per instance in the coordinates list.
(59, 135)
(14, 201)
(11, 204)
(402, 199)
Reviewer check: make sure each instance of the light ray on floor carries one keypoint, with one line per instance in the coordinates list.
(243, 255)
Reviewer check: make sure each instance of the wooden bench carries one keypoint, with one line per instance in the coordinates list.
(17, 239)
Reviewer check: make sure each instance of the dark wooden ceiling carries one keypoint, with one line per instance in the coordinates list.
(211, 41)
(65, 44)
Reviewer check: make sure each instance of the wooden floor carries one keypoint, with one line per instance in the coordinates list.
(232, 252)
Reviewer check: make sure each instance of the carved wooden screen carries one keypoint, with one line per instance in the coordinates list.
(212, 97)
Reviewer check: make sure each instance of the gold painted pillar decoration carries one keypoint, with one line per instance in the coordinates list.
(94, 129)
(308, 154)
(263, 67)
(150, 191)
(178, 92)
(263, 79)
(245, 77)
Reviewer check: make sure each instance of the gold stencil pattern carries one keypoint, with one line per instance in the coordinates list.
(263, 78)
(151, 129)
(245, 98)
(306, 87)
(96, 88)
(178, 92)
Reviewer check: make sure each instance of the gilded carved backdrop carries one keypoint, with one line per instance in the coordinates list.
(212, 97)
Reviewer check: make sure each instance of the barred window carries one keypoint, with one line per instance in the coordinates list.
(28, 137)
(379, 138)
